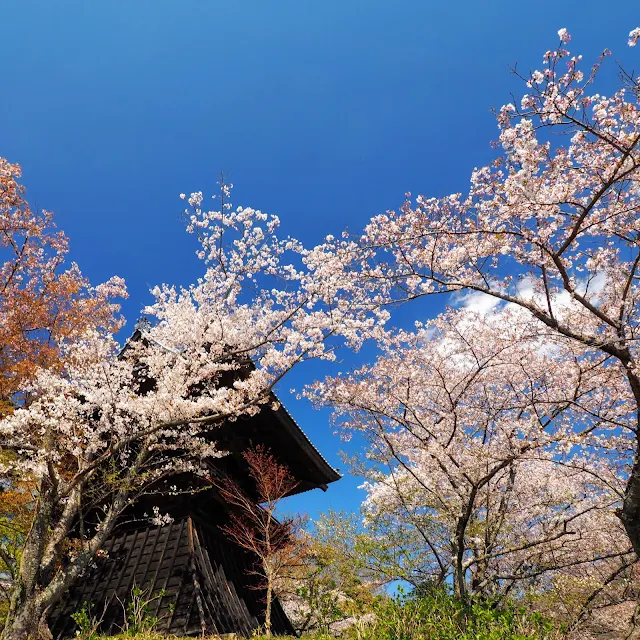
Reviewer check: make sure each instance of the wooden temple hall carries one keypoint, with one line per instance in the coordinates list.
(199, 582)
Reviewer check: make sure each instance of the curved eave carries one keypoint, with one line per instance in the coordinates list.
(324, 472)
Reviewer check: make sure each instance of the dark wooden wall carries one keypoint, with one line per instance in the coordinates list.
(205, 578)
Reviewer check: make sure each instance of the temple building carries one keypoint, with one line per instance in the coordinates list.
(197, 580)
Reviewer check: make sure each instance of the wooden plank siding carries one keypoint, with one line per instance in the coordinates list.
(206, 581)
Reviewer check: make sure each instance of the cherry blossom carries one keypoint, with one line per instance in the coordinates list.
(550, 228)
(475, 458)
(116, 422)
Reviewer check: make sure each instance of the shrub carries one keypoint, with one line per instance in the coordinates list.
(439, 616)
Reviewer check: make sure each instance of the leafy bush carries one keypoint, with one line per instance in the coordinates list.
(138, 617)
(138, 620)
(432, 615)
(439, 616)
(87, 623)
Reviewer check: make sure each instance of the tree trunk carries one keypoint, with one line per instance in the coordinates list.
(479, 578)
(459, 585)
(630, 512)
(25, 620)
(38, 587)
(267, 614)
(26, 609)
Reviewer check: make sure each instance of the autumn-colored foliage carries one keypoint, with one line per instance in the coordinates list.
(42, 302)
(16, 502)
(275, 543)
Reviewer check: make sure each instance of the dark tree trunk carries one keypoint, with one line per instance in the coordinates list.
(26, 619)
(630, 511)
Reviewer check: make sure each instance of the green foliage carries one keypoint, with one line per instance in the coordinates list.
(4, 611)
(87, 623)
(382, 552)
(328, 590)
(436, 615)
(139, 618)
(431, 615)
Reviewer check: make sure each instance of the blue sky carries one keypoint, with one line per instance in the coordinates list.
(323, 112)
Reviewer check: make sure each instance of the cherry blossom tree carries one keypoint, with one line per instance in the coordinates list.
(475, 461)
(114, 423)
(44, 302)
(550, 227)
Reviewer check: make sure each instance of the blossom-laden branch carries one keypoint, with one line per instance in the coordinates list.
(546, 237)
(109, 423)
(487, 456)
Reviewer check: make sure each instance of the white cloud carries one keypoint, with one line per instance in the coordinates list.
(478, 302)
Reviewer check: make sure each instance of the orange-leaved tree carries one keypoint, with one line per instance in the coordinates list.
(43, 302)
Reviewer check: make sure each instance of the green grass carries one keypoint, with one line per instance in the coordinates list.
(434, 616)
